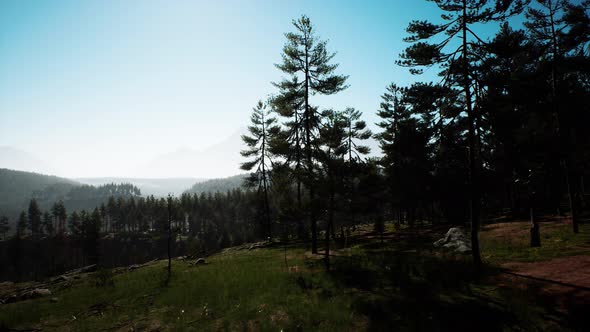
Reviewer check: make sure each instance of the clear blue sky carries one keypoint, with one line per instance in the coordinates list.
(97, 87)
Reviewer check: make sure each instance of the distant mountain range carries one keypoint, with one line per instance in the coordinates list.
(216, 161)
(11, 158)
(220, 159)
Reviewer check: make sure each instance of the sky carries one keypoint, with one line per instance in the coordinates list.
(99, 88)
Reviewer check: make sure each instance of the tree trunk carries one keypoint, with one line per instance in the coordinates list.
(535, 233)
(308, 116)
(473, 176)
(330, 221)
(169, 237)
(573, 200)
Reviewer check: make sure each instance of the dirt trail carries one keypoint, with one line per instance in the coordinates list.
(562, 277)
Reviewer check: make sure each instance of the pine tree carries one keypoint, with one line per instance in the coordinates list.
(91, 236)
(34, 218)
(562, 29)
(263, 130)
(58, 210)
(21, 225)
(307, 62)
(4, 226)
(48, 223)
(331, 156)
(460, 16)
(391, 113)
(170, 208)
(288, 103)
(76, 222)
(355, 133)
(406, 152)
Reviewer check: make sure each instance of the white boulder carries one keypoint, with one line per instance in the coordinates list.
(456, 241)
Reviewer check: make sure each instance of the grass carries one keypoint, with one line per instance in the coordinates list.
(557, 240)
(249, 290)
(400, 284)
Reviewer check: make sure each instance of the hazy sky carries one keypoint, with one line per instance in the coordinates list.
(96, 88)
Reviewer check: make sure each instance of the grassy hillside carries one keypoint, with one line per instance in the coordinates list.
(400, 284)
(17, 188)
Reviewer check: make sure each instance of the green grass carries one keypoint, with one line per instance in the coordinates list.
(397, 285)
(236, 290)
(557, 240)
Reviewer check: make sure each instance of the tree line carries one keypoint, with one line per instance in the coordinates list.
(503, 132)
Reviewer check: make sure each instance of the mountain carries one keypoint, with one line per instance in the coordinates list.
(156, 187)
(218, 185)
(216, 161)
(17, 188)
(11, 158)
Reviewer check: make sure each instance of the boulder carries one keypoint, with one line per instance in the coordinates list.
(31, 294)
(456, 241)
(37, 292)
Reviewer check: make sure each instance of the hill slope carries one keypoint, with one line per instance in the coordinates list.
(218, 185)
(148, 186)
(17, 187)
(376, 285)
(11, 158)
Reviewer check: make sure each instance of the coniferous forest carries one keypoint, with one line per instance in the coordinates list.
(487, 151)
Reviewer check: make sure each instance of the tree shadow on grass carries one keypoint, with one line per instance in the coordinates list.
(415, 292)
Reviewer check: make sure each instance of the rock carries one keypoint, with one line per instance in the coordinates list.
(54, 300)
(455, 241)
(133, 267)
(85, 269)
(258, 245)
(200, 261)
(65, 285)
(32, 294)
(89, 268)
(38, 292)
(61, 278)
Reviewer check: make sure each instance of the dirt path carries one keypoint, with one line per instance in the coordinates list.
(565, 277)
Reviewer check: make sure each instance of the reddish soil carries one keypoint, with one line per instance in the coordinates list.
(520, 229)
(567, 277)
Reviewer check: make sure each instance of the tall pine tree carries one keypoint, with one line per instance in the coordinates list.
(458, 62)
(263, 130)
(308, 63)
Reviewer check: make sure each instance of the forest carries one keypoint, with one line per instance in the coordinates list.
(500, 136)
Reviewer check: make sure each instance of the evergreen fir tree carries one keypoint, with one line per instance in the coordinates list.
(459, 16)
(307, 62)
(263, 130)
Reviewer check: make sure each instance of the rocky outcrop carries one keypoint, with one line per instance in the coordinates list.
(27, 295)
(456, 241)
